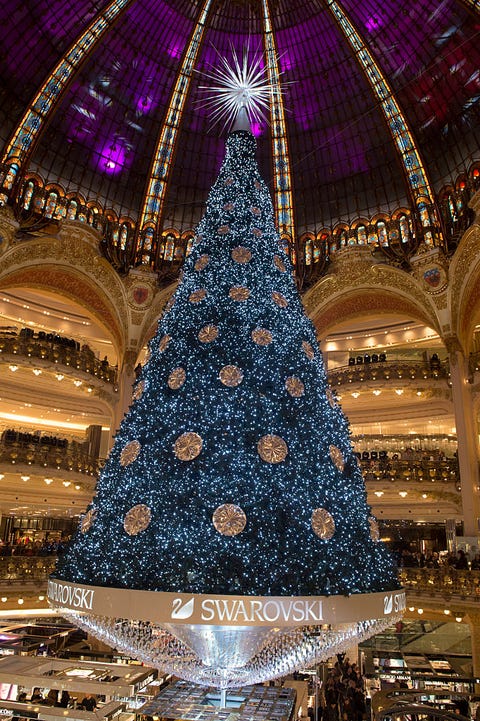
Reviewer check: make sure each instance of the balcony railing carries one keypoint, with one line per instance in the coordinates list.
(34, 569)
(390, 370)
(58, 353)
(70, 458)
(419, 471)
(444, 582)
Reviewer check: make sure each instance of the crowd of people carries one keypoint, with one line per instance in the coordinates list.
(26, 547)
(58, 699)
(342, 696)
(459, 560)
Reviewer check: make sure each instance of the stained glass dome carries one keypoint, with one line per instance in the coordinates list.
(378, 123)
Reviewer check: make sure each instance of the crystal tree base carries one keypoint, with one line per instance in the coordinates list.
(225, 641)
(280, 653)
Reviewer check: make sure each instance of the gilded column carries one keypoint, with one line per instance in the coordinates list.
(467, 435)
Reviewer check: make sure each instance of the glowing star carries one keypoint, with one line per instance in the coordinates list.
(237, 85)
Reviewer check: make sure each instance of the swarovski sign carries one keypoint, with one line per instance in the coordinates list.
(217, 610)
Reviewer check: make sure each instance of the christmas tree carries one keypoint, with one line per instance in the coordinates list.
(233, 471)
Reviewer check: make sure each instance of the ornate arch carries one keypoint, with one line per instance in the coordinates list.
(73, 268)
(465, 286)
(357, 286)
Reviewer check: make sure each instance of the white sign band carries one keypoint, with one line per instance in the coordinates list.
(217, 610)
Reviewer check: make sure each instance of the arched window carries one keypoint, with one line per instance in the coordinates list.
(123, 236)
(72, 208)
(372, 236)
(169, 244)
(382, 233)
(51, 204)
(404, 228)
(361, 235)
(28, 194)
(189, 246)
(147, 255)
(308, 251)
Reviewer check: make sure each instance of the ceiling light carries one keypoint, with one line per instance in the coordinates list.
(446, 611)
(48, 481)
(379, 493)
(25, 478)
(420, 611)
(399, 391)
(37, 371)
(2, 476)
(4, 599)
(67, 483)
(403, 494)
(77, 383)
(13, 368)
(376, 392)
(411, 608)
(59, 376)
(459, 618)
(355, 394)
(77, 486)
(424, 495)
(419, 393)
(41, 598)
(20, 601)
(89, 389)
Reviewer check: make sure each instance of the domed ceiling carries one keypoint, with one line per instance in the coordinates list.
(340, 64)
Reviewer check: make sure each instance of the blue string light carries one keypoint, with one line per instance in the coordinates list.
(277, 552)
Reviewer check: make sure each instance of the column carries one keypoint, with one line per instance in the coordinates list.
(126, 379)
(467, 436)
(473, 620)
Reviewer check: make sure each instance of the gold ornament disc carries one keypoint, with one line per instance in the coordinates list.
(257, 232)
(295, 386)
(231, 376)
(197, 295)
(308, 350)
(228, 181)
(239, 292)
(272, 449)
(176, 379)
(256, 211)
(278, 262)
(323, 524)
(374, 529)
(130, 453)
(137, 519)
(87, 520)
(241, 254)
(223, 230)
(229, 206)
(207, 333)
(279, 299)
(229, 520)
(262, 336)
(337, 457)
(202, 262)
(330, 397)
(198, 239)
(170, 303)
(138, 390)
(188, 446)
(163, 345)
(257, 184)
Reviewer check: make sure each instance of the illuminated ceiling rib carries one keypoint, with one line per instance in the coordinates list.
(150, 217)
(24, 138)
(415, 172)
(282, 175)
(474, 4)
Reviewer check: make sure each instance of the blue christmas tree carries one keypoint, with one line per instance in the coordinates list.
(233, 471)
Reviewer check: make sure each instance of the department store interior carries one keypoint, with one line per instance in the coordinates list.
(372, 157)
